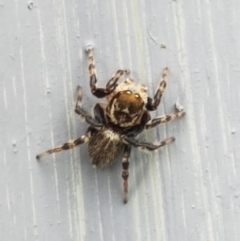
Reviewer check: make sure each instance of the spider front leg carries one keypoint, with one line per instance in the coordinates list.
(146, 145)
(112, 83)
(152, 104)
(125, 174)
(163, 119)
(84, 113)
(69, 145)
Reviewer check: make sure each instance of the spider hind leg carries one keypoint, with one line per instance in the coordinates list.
(146, 145)
(125, 173)
(66, 146)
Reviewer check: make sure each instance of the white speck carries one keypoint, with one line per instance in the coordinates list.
(178, 106)
(89, 47)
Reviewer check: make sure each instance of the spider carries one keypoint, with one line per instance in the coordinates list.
(119, 120)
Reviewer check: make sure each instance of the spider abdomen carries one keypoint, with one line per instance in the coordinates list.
(104, 147)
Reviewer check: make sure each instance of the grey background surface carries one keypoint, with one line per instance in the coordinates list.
(190, 190)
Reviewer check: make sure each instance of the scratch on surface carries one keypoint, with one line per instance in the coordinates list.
(158, 201)
(220, 110)
(28, 144)
(8, 199)
(67, 89)
(138, 40)
(4, 158)
(136, 205)
(14, 86)
(80, 204)
(69, 211)
(127, 34)
(117, 31)
(45, 76)
(98, 213)
(183, 210)
(5, 98)
(144, 205)
(111, 207)
(179, 23)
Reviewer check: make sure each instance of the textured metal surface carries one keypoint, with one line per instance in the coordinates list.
(189, 190)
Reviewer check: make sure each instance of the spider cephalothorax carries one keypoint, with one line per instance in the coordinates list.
(117, 121)
(125, 108)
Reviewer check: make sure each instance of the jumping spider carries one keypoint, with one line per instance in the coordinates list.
(118, 121)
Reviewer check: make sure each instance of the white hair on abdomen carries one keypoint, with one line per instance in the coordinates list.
(111, 135)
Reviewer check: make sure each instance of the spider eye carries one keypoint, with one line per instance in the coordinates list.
(129, 92)
(137, 96)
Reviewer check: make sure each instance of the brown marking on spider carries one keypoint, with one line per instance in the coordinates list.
(117, 122)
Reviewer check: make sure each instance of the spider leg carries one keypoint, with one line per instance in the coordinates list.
(84, 113)
(125, 166)
(69, 145)
(99, 114)
(146, 145)
(152, 104)
(163, 119)
(112, 83)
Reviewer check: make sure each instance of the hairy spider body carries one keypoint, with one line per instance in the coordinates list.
(104, 147)
(122, 112)
(116, 122)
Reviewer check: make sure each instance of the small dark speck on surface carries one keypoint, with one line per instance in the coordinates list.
(163, 46)
(48, 91)
(30, 5)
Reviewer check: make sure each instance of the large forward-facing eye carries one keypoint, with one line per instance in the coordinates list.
(137, 96)
(129, 92)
